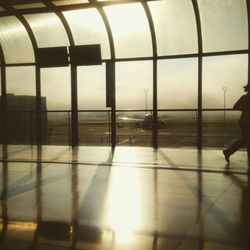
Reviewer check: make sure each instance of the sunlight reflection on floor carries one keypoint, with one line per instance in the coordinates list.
(124, 205)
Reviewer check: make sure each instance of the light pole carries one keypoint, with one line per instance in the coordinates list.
(224, 88)
(146, 99)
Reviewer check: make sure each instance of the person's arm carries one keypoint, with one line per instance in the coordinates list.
(240, 104)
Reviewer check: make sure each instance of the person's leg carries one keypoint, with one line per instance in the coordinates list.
(247, 139)
(235, 146)
(232, 149)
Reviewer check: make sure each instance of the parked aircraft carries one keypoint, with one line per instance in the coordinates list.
(145, 123)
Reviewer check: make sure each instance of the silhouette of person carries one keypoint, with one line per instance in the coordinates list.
(243, 104)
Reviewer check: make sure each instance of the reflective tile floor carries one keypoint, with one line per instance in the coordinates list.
(89, 198)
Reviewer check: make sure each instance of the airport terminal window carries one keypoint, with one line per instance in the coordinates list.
(130, 30)
(88, 32)
(56, 97)
(175, 27)
(21, 81)
(224, 28)
(223, 74)
(224, 25)
(48, 30)
(177, 89)
(223, 81)
(55, 86)
(91, 87)
(133, 79)
(14, 39)
(21, 103)
(178, 83)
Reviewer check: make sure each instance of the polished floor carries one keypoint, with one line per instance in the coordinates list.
(135, 198)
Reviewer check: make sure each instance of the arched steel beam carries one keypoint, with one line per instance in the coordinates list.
(200, 53)
(62, 19)
(66, 7)
(3, 104)
(154, 49)
(108, 28)
(110, 71)
(38, 81)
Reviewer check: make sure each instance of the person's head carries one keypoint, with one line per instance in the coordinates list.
(246, 88)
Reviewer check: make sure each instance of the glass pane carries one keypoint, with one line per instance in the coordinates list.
(48, 30)
(179, 130)
(94, 128)
(91, 82)
(220, 128)
(67, 2)
(29, 6)
(224, 25)
(175, 27)
(177, 89)
(130, 30)
(21, 100)
(223, 75)
(177, 83)
(56, 96)
(21, 81)
(134, 85)
(134, 128)
(56, 127)
(88, 28)
(55, 87)
(134, 90)
(223, 81)
(15, 41)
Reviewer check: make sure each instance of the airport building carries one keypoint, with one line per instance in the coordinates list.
(114, 115)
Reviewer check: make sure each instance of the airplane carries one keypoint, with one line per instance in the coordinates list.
(144, 123)
(147, 122)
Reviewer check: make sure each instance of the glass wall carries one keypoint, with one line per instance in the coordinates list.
(56, 105)
(130, 30)
(124, 28)
(224, 25)
(175, 27)
(48, 30)
(21, 103)
(86, 31)
(93, 120)
(134, 90)
(223, 81)
(177, 90)
(15, 41)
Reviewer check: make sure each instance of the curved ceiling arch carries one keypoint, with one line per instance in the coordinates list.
(49, 7)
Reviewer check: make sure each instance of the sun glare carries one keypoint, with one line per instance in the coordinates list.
(127, 19)
(124, 205)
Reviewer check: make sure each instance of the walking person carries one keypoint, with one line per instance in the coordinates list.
(243, 104)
